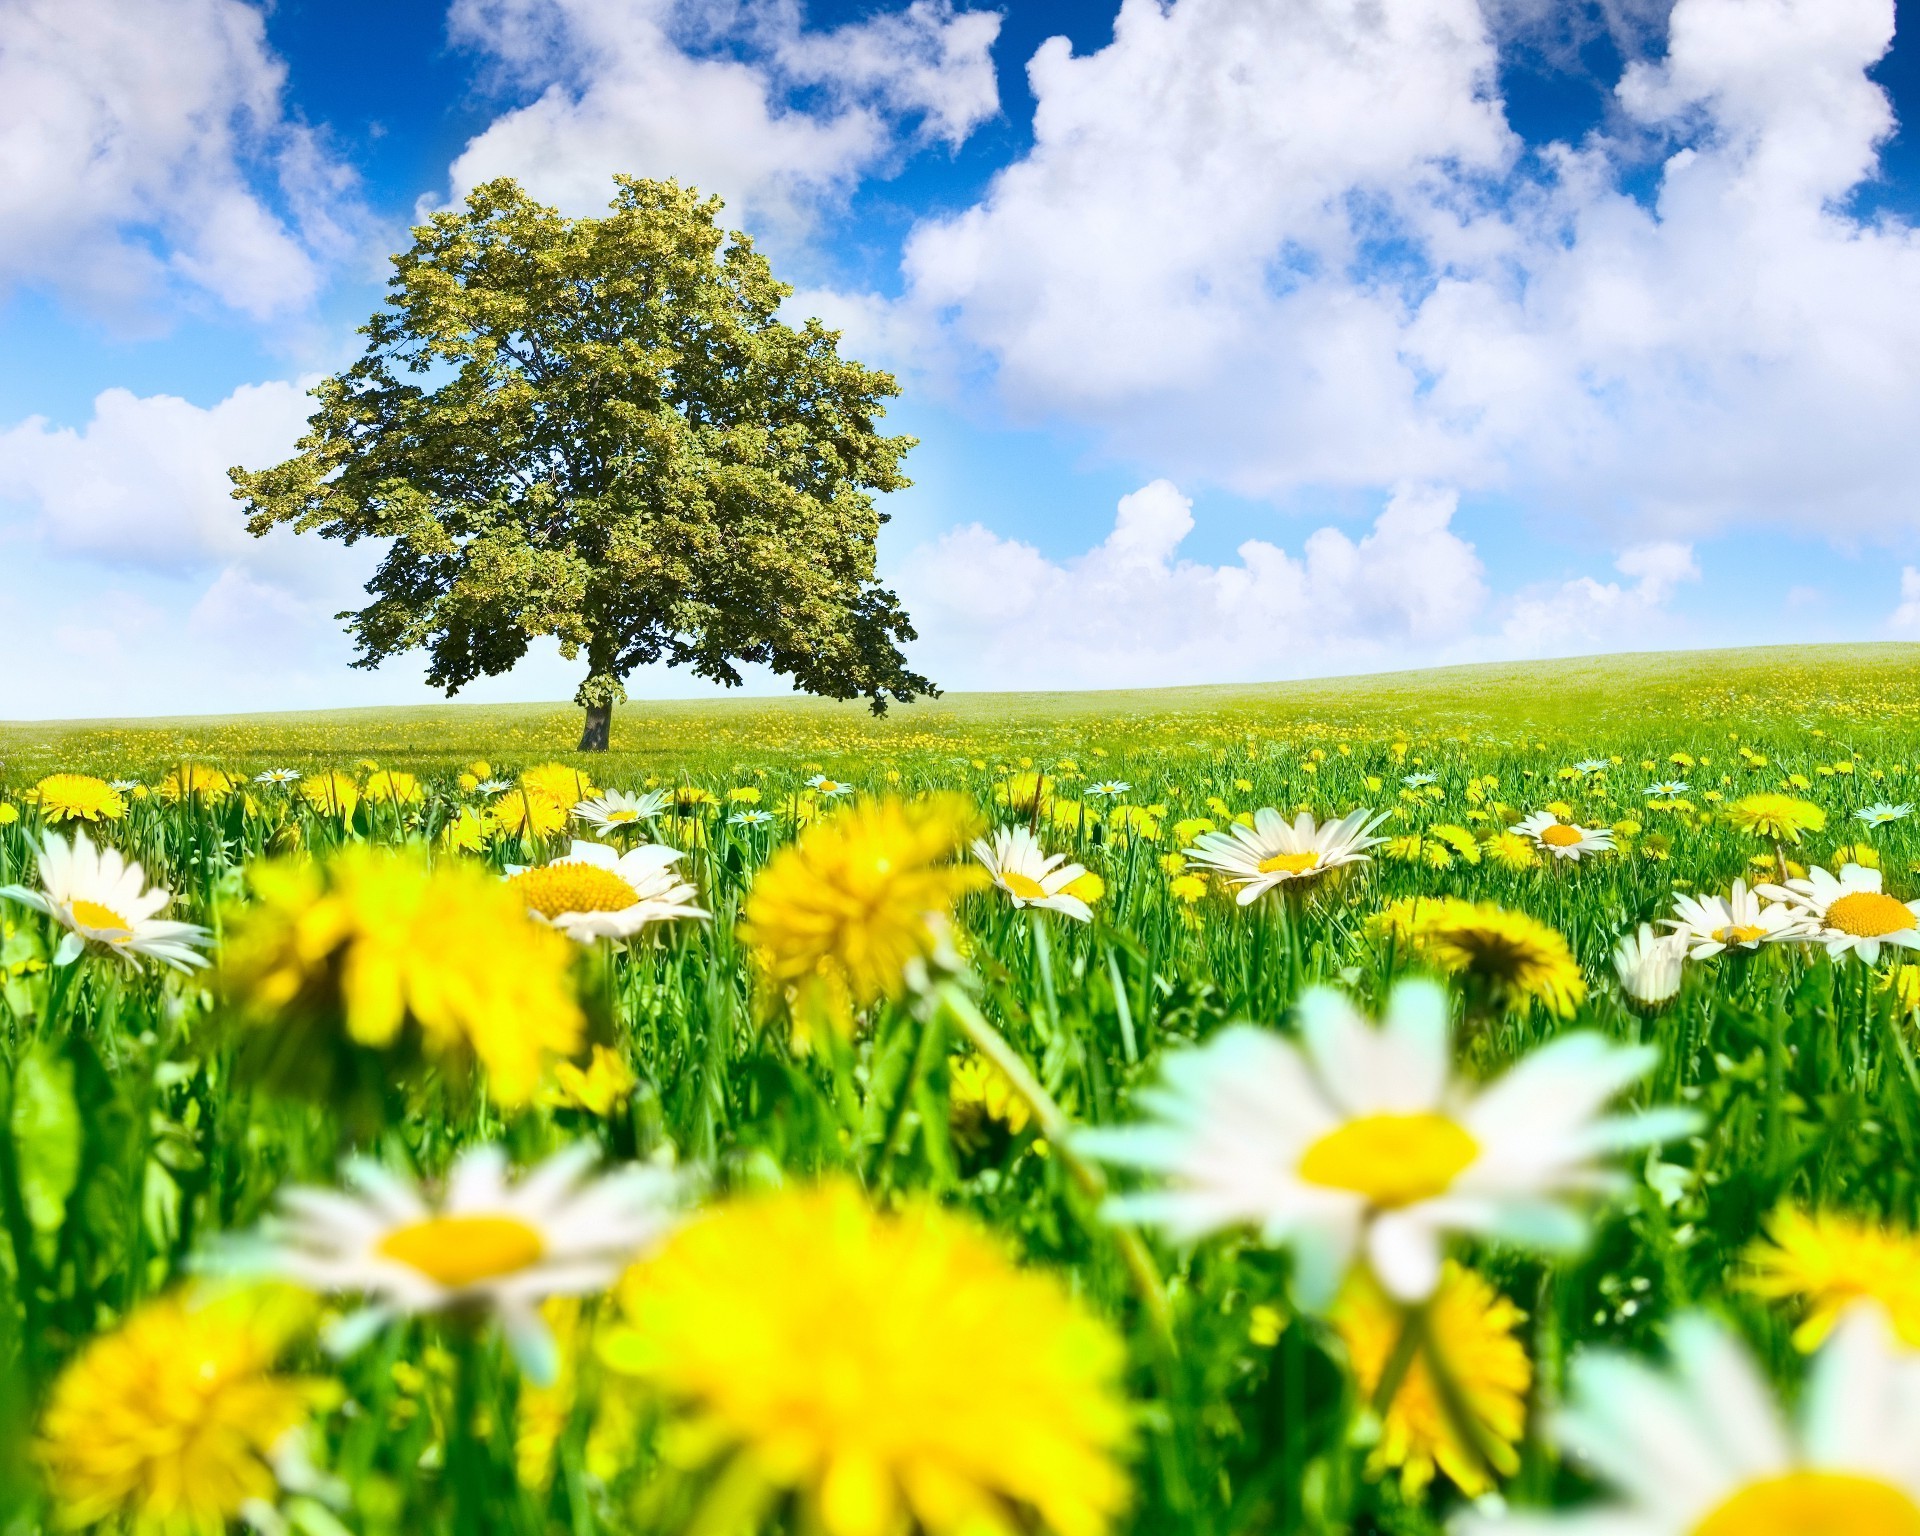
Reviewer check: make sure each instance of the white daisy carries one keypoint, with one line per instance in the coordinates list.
(597, 892)
(754, 818)
(1703, 1449)
(1562, 839)
(99, 898)
(1594, 764)
(1850, 912)
(1271, 852)
(123, 786)
(492, 786)
(1418, 780)
(613, 811)
(1666, 789)
(820, 784)
(278, 776)
(1877, 815)
(1648, 965)
(1360, 1141)
(1709, 924)
(488, 1243)
(1109, 787)
(1029, 874)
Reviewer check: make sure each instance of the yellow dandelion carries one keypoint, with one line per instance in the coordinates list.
(1474, 1329)
(196, 781)
(468, 831)
(568, 785)
(1779, 817)
(9, 813)
(600, 1087)
(332, 793)
(1512, 851)
(895, 1371)
(79, 797)
(1506, 959)
(378, 950)
(389, 786)
(529, 810)
(838, 918)
(1826, 1261)
(171, 1421)
(983, 1108)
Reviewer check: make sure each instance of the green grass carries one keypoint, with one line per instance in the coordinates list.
(1862, 690)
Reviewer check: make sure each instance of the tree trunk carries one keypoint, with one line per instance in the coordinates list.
(599, 726)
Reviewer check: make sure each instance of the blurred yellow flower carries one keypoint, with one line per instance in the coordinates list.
(1827, 1261)
(981, 1103)
(332, 793)
(196, 781)
(602, 1086)
(391, 786)
(1780, 817)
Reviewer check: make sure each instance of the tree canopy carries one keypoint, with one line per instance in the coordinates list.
(600, 429)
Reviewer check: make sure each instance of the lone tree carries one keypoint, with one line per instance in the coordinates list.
(598, 429)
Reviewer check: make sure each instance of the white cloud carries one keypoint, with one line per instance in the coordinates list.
(139, 141)
(997, 613)
(1586, 615)
(1906, 618)
(1285, 246)
(739, 98)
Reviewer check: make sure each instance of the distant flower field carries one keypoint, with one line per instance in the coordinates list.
(1203, 1121)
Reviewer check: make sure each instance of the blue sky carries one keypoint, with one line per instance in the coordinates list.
(1244, 338)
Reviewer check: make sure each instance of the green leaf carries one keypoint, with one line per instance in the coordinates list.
(46, 1135)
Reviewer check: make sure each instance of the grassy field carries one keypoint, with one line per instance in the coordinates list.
(917, 1191)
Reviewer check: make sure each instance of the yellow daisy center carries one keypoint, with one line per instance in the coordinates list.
(1289, 863)
(1560, 835)
(1815, 1504)
(458, 1251)
(612, 817)
(1024, 886)
(568, 886)
(1392, 1160)
(90, 914)
(1868, 914)
(1739, 933)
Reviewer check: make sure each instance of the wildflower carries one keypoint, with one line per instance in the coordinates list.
(1029, 874)
(173, 1422)
(529, 810)
(982, 1105)
(1459, 839)
(1780, 817)
(744, 794)
(1564, 840)
(127, 787)
(1850, 912)
(374, 950)
(1109, 788)
(1649, 966)
(557, 781)
(1418, 780)
(1270, 852)
(78, 797)
(752, 818)
(1188, 888)
(491, 787)
(1709, 924)
(1594, 764)
(1511, 959)
(1361, 1141)
(332, 793)
(828, 788)
(1473, 1328)
(99, 898)
(597, 892)
(487, 1244)
(839, 918)
(1667, 789)
(1701, 1449)
(467, 831)
(278, 776)
(613, 811)
(1881, 813)
(196, 781)
(1828, 1261)
(389, 786)
(897, 1373)
(1512, 851)
(605, 1083)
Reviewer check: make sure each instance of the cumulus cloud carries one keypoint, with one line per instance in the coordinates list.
(1586, 615)
(147, 146)
(1284, 246)
(1131, 612)
(738, 97)
(1906, 618)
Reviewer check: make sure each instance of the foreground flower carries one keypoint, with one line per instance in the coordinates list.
(1029, 874)
(78, 797)
(1706, 925)
(1474, 1329)
(173, 1421)
(1506, 959)
(1828, 1261)
(615, 811)
(597, 892)
(377, 950)
(1648, 965)
(1779, 817)
(488, 1244)
(1271, 852)
(897, 1372)
(1849, 912)
(99, 898)
(1562, 839)
(841, 917)
(1360, 1142)
(1702, 1449)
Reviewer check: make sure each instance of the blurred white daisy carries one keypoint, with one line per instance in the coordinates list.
(1593, 764)
(278, 776)
(123, 786)
(820, 784)
(492, 786)
(1702, 1449)
(597, 892)
(1880, 814)
(1418, 780)
(1270, 852)
(1359, 1141)
(1648, 965)
(1849, 912)
(1029, 874)
(1563, 839)
(1741, 920)
(613, 810)
(99, 898)
(1109, 787)
(488, 1243)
